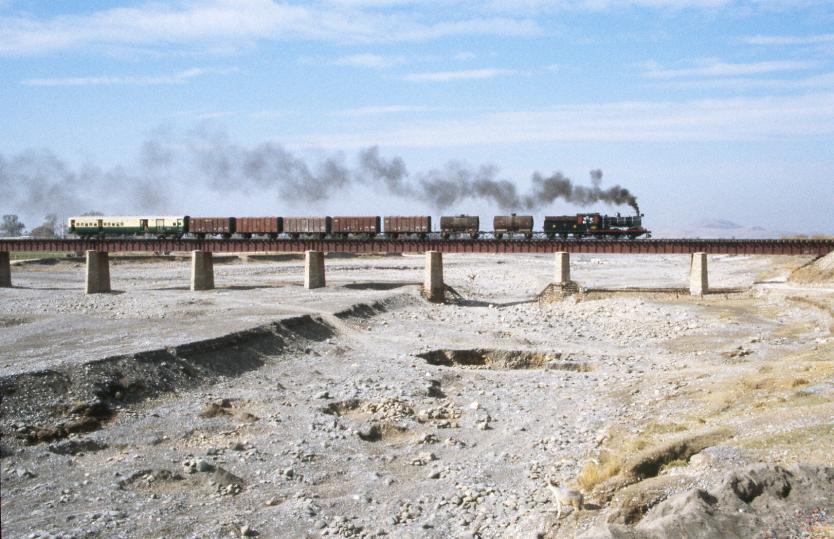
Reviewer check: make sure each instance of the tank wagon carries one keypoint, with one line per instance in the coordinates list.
(512, 224)
(460, 225)
(577, 226)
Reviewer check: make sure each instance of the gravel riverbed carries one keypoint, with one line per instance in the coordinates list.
(361, 410)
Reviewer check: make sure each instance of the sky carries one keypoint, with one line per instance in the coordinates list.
(706, 110)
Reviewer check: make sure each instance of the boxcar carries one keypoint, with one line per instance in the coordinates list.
(318, 227)
(345, 226)
(459, 225)
(102, 226)
(211, 226)
(262, 226)
(400, 225)
(513, 224)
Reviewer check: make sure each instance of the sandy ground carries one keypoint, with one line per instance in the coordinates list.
(335, 415)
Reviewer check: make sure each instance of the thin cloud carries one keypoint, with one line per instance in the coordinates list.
(269, 114)
(772, 117)
(816, 82)
(725, 69)
(379, 110)
(466, 74)
(602, 5)
(181, 77)
(789, 40)
(223, 22)
(374, 61)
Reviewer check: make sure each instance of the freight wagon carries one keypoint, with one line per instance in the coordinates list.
(399, 225)
(315, 227)
(259, 226)
(211, 226)
(342, 227)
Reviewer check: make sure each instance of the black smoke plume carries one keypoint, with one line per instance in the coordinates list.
(546, 190)
(36, 182)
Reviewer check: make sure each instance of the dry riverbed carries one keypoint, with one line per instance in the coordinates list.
(264, 409)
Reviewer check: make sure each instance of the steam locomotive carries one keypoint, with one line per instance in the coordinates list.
(577, 226)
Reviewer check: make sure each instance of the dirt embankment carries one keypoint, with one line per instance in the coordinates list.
(50, 405)
(820, 270)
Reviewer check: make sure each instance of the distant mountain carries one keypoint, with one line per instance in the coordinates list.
(720, 228)
(721, 224)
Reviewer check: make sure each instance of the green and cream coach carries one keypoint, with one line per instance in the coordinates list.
(100, 225)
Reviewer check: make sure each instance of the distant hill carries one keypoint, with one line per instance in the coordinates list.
(721, 228)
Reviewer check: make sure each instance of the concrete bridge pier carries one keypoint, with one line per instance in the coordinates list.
(5, 270)
(202, 270)
(433, 286)
(698, 281)
(562, 270)
(313, 269)
(98, 272)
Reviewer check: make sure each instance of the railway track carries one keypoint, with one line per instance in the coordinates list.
(507, 246)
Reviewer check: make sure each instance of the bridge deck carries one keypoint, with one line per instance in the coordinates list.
(652, 246)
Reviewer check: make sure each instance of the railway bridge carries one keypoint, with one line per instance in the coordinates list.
(202, 272)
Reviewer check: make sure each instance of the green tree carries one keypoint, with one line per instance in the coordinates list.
(11, 226)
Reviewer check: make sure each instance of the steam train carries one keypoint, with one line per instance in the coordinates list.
(577, 226)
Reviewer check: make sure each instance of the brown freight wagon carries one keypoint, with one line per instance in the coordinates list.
(512, 224)
(307, 226)
(346, 225)
(211, 226)
(264, 226)
(460, 224)
(396, 225)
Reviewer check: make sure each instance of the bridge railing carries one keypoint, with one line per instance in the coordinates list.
(646, 246)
